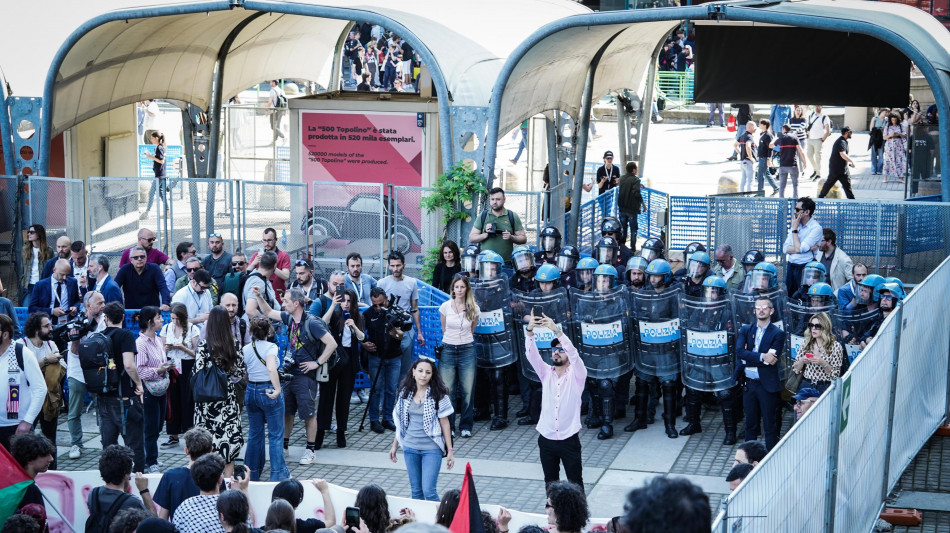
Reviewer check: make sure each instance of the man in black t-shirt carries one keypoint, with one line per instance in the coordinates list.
(608, 175)
(765, 156)
(838, 166)
(122, 410)
(176, 484)
(789, 147)
(383, 347)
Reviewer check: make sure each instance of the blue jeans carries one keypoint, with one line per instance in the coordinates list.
(763, 174)
(154, 409)
(385, 387)
(261, 410)
(877, 159)
(522, 144)
(745, 167)
(423, 468)
(458, 361)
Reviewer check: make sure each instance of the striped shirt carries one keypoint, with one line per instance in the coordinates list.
(151, 355)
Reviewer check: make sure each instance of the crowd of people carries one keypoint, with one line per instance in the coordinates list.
(376, 59)
(570, 334)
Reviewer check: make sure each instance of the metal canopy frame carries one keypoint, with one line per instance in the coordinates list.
(263, 6)
(939, 80)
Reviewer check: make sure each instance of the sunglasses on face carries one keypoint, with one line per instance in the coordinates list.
(150, 239)
(31, 231)
(238, 263)
(137, 258)
(816, 326)
(195, 269)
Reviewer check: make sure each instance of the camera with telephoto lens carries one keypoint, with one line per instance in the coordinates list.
(80, 323)
(397, 317)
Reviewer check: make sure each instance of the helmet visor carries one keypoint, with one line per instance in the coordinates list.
(566, 263)
(760, 279)
(605, 255)
(469, 263)
(696, 269)
(549, 243)
(863, 294)
(648, 253)
(522, 260)
(487, 270)
(811, 276)
(819, 300)
(603, 282)
(712, 294)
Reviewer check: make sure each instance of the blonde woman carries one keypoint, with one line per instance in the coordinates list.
(826, 355)
(459, 316)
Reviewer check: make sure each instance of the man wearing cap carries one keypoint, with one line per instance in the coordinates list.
(804, 401)
(838, 166)
(608, 176)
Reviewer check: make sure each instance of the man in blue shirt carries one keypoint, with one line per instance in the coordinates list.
(803, 238)
(846, 299)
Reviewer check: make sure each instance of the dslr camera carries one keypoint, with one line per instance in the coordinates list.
(397, 317)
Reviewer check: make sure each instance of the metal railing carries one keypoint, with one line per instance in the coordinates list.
(834, 468)
(676, 85)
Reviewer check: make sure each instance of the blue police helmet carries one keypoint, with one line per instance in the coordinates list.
(715, 281)
(821, 289)
(587, 263)
(547, 272)
(893, 279)
(816, 264)
(489, 256)
(606, 270)
(896, 290)
(873, 281)
(660, 267)
(752, 257)
(700, 256)
(765, 268)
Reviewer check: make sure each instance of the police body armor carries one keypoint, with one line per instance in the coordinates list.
(708, 347)
(553, 304)
(601, 332)
(854, 327)
(656, 322)
(494, 340)
(743, 309)
(796, 324)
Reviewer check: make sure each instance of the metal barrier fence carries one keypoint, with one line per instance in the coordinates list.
(676, 85)
(345, 218)
(118, 207)
(58, 204)
(834, 468)
(281, 206)
(253, 151)
(205, 206)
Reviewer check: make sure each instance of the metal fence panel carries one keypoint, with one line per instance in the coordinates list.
(282, 206)
(412, 230)
(347, 217)
(921, 389)
(786, 492)
(253, 150)
(689, 221)
(860, 474)
(658, 203)
(118, 207)
(924, 161)
(557, 197)
(870, 241)
(199, 208)
(528, 206)
(58, 204)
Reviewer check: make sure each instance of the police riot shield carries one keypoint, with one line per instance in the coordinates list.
(708, 350)
(796, 324)
(743, 309)
(494, 340)
(554, 304)
(601, 332)
(656, 323)
(856, 326)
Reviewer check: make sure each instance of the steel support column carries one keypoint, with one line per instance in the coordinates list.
(6, 134)
(583, 131)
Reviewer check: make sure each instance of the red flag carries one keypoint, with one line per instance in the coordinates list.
(468, 516)
(13, 483)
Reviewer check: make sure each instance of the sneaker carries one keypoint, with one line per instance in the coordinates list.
(154, 469)
(307, 457)
(389, 425)
(75, 452)
(286, 452)
(170, 443)
(466, 433)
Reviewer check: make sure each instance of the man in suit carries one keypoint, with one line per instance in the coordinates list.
(57, 295)
(102, 281)
(835, 260)
(758, 350)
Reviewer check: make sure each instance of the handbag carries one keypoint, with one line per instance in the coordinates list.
(210, 384)
(794, 381)
(158, 387)
(323, 373)
(731, 124)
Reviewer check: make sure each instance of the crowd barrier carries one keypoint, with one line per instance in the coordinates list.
(834, 468)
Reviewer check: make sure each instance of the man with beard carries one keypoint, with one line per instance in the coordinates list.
(146, 240)
(312, 286)
(38, 343)
(218, 262)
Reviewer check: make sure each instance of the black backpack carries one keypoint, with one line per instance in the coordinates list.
(99, 367)
(18, 349)
(234, 283)
(99, 520)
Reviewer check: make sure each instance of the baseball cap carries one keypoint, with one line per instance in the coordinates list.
(609, 154)
(806, 393)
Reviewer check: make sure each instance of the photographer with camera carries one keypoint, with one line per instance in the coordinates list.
(93, 303)
(309, 347)
(386, 326)
(405, 290)
(498, 230)
(38, 342)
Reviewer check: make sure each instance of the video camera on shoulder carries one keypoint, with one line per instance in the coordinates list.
(397, 317)
(82, 325)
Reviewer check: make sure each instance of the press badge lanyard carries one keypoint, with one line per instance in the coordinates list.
(13, 393)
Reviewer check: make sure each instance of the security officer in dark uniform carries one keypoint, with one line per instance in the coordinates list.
(696, 271)
(814, 272)
(567, 260)
(750, 259)
(611, 227)
(607, 252)
(688, 252)
(636, 276)
(550, 240)
(602, 390)
(584, 274)
(653, 248)
(469, 261)
(523, 262)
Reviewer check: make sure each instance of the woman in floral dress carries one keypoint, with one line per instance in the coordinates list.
(895, 149)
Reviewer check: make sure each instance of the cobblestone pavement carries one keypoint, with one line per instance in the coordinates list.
(925, 486)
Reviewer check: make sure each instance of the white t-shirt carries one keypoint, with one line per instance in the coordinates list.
(458, 328)
(45, 349)
(817, 129)
(170, 336)
(151, 116)
(197, 304)
(35, 267)
(257, 371)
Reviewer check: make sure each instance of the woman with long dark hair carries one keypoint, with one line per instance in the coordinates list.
(374, 508)
(422, 427)
(280, 515)
(36, 252)
(459, 316)
(448, 265)
(447, 507)
(895, 149)
(338, 389)
(181, 341)
(158, 167)
(827, 356)
(152, 365)
(234, 511)
(222, 419)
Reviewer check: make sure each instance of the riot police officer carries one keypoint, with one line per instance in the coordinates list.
(652, 248)
(584, 274)
(611, 227)
(523, 262)
(814, 272)
(657, 360)
(889, 295)
(547, 278)
(762, 278)
(494, 341)
(867, 295)
(550, 246)
(567, 260)
(820, 295)
(709, 359)
(688, 252)
(750, 259)
(470, 261)
(636, 272)
(697, 270)
(607, 252)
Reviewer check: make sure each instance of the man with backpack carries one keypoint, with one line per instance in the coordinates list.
(234, 280)
(260, 279)
(22, 387)
(108, 365)
(310, 345)
(498, 230)
(277, 101)
(105, 502)
(94, 302)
